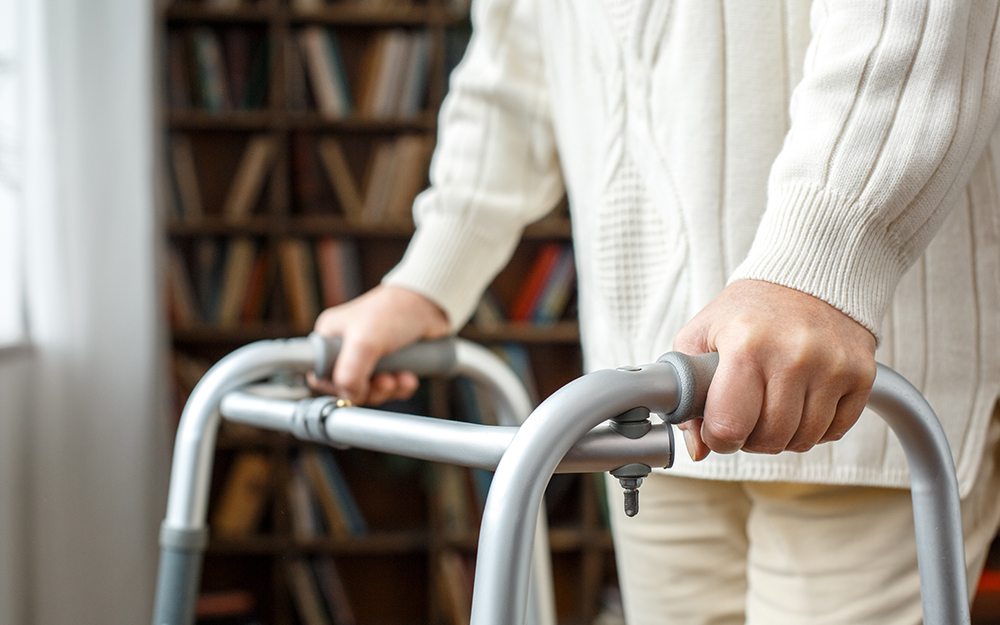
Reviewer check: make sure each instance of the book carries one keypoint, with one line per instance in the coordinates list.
(331, 587)
(489, 314)
(306, 515)
(244, 495)
(236, 47)
(356, 524)
(255, 89)
(413, 90)
(306, 594)
(240, 255)
(337, 265)
(309, 179)
(251, 174)
(371, 72)
(517, 358)
(258, 288)
(556, 292)
(451, 500)
(298, 276)
(181, 301)
(223, 604)
(345, 188)
(528, 297)
(378, 187)
(325, 68)
(340, 511)
(411, 161)
(207, 266)
(209, 64)
(178, 77)
(186, 177)
(297, 86)
(393, 63)
(455, 575)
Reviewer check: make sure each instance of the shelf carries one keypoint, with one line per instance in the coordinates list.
(382, 17)
(190, 12)
(263, 120)
(376, 543)
(319, 225)
(560, 332)
(560, 540)
(234, 337)
(379, 16)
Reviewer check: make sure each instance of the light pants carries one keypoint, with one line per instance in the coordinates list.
(710, 552)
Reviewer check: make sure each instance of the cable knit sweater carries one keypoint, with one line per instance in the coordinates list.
(839, 148)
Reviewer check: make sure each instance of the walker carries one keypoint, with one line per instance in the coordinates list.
(599, 422)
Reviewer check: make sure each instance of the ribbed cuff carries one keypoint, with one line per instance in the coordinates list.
(816, 242)
(451, 261)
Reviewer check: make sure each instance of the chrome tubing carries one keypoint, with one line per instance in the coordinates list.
(512, 505)
(439, 440)
(535, 451)
(184, 532)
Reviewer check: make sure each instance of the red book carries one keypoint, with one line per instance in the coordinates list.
(530, 294)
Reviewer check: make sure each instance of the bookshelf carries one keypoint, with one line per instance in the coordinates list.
(282, 121)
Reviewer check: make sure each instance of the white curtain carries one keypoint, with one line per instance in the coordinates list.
(85, 439)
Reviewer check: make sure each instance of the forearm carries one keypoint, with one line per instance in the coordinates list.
(895, 107)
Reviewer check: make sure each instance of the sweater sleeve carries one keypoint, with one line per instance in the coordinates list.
(897, 102)
(495, 168)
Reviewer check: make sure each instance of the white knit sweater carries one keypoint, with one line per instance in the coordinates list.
(700, 142)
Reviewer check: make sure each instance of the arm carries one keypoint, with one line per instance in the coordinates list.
(896, 104)
(494, 171)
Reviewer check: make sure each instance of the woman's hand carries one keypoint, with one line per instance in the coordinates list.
(793, 371)
(371, 326)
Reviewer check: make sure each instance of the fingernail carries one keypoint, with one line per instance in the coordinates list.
(689, 442)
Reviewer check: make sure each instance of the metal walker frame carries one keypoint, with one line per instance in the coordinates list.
(596, 423)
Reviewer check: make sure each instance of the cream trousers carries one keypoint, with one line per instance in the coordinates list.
(706, 552)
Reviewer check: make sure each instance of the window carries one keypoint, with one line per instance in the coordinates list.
(11, 283)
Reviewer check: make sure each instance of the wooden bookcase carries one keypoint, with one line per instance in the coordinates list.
(392, 573)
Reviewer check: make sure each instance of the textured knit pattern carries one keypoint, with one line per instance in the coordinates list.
(839, 148)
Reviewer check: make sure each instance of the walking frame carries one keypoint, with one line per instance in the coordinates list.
(599, 422)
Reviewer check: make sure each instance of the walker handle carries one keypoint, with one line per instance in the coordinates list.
(694, 376)
(436, 357)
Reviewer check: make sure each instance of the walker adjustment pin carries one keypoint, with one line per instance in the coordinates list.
(633, 424)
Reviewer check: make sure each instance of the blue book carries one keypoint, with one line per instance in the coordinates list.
(356, 524)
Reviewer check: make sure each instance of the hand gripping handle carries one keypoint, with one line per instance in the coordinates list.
(436, 357)
(694, 376)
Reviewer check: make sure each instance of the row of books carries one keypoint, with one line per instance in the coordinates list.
(230, 282)
(319, 495)
(244, 190)
(323, 178)
(217, 69)
(318, 592)
(544, 297)
(227, 69)
(390, 81)
(396, 172)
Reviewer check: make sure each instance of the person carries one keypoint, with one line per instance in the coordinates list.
(801, 187)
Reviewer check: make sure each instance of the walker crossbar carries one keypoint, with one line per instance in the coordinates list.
(565, 433)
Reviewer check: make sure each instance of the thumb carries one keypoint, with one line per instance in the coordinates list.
(354, 367)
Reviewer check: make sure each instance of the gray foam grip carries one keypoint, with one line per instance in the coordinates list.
(425, 358)
(694, 376)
